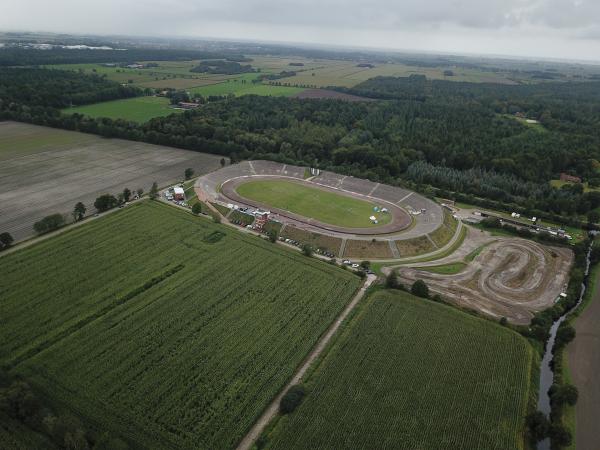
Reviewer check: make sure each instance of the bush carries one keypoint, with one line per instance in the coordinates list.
(197, 208)
(391, 281)
(538, 426)
(564, 335)
(560, 436)
(6, 240)
(564, 394)
(420, 289)
(105, 202)
(307, 250)
(292, 399)
(49, 223)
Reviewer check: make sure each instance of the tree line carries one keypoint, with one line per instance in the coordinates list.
(48, 88)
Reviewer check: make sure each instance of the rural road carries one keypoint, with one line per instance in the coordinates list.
(273, 408)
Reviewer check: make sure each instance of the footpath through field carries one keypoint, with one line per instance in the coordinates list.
(272, 409)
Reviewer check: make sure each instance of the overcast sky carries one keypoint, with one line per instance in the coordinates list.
(547, 28)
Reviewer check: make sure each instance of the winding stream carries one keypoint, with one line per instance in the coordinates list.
(546, 371)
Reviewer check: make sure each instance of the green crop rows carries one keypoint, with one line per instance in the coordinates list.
(408, 373)
(163, 328)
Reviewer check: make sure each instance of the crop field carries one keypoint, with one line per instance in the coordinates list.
(167, 74)
(45, 171)
(163, 328)
(138, 109)
(177, 75)
(348, 74)
(237, 87)
(324, 206)
(408, 373)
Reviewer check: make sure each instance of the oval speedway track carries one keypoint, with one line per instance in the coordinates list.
(400, 218)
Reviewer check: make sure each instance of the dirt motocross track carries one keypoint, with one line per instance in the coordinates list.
(512, 278)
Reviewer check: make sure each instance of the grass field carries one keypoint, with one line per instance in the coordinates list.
(324, 73)
(236, 87)
(408, 373)
(137, 109)
(163, 328)
(324, 206)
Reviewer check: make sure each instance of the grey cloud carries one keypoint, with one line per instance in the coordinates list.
(503, 25)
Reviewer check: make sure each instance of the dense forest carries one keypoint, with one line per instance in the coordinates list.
(458, 137)
(41, 88)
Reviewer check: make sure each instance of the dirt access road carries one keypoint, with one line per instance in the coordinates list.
(584, 363)
(273, 407)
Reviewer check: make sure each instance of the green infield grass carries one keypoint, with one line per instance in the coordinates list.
(162, 328)
(137, 109)
(324, 206)
(408, 373)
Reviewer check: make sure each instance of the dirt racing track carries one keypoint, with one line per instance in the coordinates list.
(405, 206)
(510, 278)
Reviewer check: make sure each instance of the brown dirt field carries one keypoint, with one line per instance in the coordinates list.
(328, 94)
(512, 278)
(415, 246)
(584, 364)
(316, 240)
(45, 171)
(367, 249)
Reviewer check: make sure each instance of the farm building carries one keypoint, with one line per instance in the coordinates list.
(569, 178)
(178, 193)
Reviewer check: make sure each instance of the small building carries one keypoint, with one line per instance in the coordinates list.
(569, 178)
(178, 193)
(261, 220)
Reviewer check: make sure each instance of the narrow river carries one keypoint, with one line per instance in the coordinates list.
(546, 372)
